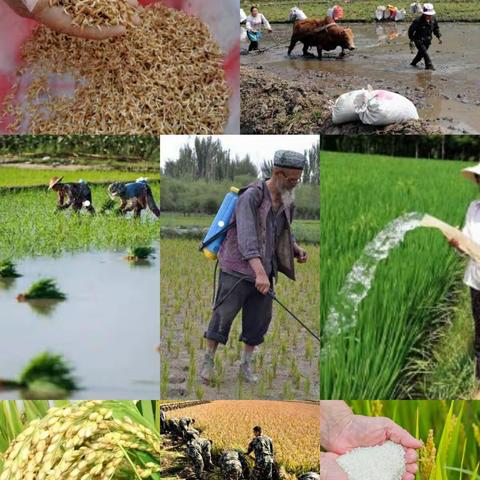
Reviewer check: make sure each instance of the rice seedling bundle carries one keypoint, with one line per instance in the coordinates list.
(43, 289)
(8, 269)
(293, 426)
(91, 440)
(383, 462)
(404, 307)
(164, 76)
(96, 13)
(140, 253)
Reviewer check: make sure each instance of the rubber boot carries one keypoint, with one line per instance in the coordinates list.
(207, 372)
(430, 67)
(246, 372)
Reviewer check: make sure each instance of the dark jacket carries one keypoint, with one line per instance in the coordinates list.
(250, 238)
(421, 31)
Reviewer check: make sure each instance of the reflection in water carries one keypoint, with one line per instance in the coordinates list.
(7, 283)
(43, 306)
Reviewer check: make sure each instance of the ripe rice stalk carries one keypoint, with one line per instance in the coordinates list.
(165, 76)
(96, 440)
(44, 289)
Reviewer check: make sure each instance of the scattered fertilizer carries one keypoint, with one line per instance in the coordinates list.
(165, 76)
(344, 312)
(384, 462)
(97, 13)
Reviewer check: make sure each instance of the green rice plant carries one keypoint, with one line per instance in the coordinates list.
(105, 440)
(107, 205)
(404, 311)
(8, 269)
(46, 370)
(140, 253)
(43, 289)
(449, 431)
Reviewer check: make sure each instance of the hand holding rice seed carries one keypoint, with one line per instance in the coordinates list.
(383, 462)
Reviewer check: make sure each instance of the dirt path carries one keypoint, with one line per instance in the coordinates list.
(448, 99)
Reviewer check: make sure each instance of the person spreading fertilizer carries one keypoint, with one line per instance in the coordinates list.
(262, 447)
(367, 448)
(75, 195)
(254, 24)
(420, 35)
(134, 196)
(258, 245)
(471, 277)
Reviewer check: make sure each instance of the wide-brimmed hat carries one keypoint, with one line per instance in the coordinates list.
(470, 172)
(54, 181)
(428, 9)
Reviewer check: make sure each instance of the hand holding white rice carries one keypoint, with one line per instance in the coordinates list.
(384, 462)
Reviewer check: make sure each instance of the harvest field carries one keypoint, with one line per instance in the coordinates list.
(288, 360)
(454, 428)
(118, 440)
(293, 426)
(86, 257)
(406, 340)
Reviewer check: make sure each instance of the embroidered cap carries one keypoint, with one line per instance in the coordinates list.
(289, 159)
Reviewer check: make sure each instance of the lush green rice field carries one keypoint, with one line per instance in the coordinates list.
(381, 356)
(30, 224)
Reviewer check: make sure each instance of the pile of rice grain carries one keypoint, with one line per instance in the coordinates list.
(164, 76)
(384, 462)
(94, 13)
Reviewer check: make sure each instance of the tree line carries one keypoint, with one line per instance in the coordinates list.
(438, 147)
(208, 160)
(126, 147)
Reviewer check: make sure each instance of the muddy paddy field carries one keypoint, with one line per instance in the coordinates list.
(294, 95)
(111, 308)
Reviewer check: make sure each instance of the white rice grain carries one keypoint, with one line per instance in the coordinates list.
(384, 462)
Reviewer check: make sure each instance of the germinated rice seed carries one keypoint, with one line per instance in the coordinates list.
(164, 76)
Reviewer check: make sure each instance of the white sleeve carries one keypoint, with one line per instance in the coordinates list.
(30, 4)
(466, 228)
(249, 23)
(265, 22)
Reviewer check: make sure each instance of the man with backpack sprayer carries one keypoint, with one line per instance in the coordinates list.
(258, 245)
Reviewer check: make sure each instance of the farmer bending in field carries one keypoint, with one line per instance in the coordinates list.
(262, 447)
(75, 195)
(420, 35)
(342, 431)
(259, 246)
(134, 196)
(471, 277)
(199, 451)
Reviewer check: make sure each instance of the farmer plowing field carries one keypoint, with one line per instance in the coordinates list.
(259, 244)
(75, 195)
(134, 196)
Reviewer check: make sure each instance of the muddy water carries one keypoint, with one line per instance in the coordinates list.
(108, 328)
(450, 96)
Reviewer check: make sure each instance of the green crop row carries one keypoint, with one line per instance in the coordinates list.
(277, 11)
(405, 306)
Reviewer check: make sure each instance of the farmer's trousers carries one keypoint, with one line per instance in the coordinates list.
(475, 294)
(256, 311)
(422, 47)
(253, 46)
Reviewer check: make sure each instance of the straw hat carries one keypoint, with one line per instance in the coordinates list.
(470, 172)
(428, 9)
(54, 181)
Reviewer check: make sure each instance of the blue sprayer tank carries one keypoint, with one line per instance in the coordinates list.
(221, 220)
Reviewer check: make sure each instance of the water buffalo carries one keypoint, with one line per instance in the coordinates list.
(324, 34)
